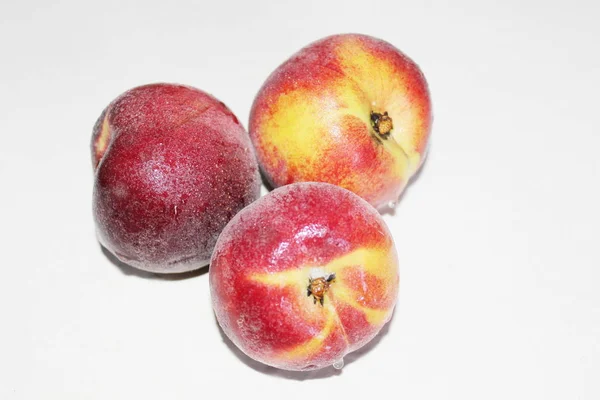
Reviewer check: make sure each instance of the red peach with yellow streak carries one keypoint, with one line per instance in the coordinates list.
(350, 110)
(304, 276)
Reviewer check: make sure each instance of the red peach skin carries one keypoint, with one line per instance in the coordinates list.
(172, 166)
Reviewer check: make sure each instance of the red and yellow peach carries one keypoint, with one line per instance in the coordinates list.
(303, 276)
(351, 110)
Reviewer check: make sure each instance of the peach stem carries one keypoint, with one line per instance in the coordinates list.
(318, 287)
(382, 124)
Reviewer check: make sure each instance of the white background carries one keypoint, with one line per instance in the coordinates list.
(498, 236)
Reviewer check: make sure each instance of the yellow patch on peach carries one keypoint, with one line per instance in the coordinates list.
(373, 261)
(378, 262)
(103, 138)
(294, 127)
(386, 90)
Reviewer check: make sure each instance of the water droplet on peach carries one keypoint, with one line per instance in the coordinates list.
(339, 364)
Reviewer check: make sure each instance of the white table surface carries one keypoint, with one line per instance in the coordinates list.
(497, 237)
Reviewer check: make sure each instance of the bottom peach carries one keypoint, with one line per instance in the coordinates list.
(304, 276)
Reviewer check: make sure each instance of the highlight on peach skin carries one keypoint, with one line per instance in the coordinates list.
(172, 165)
(349, 109)
(304, 276)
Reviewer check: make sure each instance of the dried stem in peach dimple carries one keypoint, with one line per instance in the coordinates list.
(317, 287)
(382, 124)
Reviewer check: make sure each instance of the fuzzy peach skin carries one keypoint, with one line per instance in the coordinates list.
(261, 271)
(314, 119)
(172, 165)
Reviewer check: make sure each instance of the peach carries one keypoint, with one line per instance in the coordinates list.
(351, 110)
(172, 166)
(303, 276)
